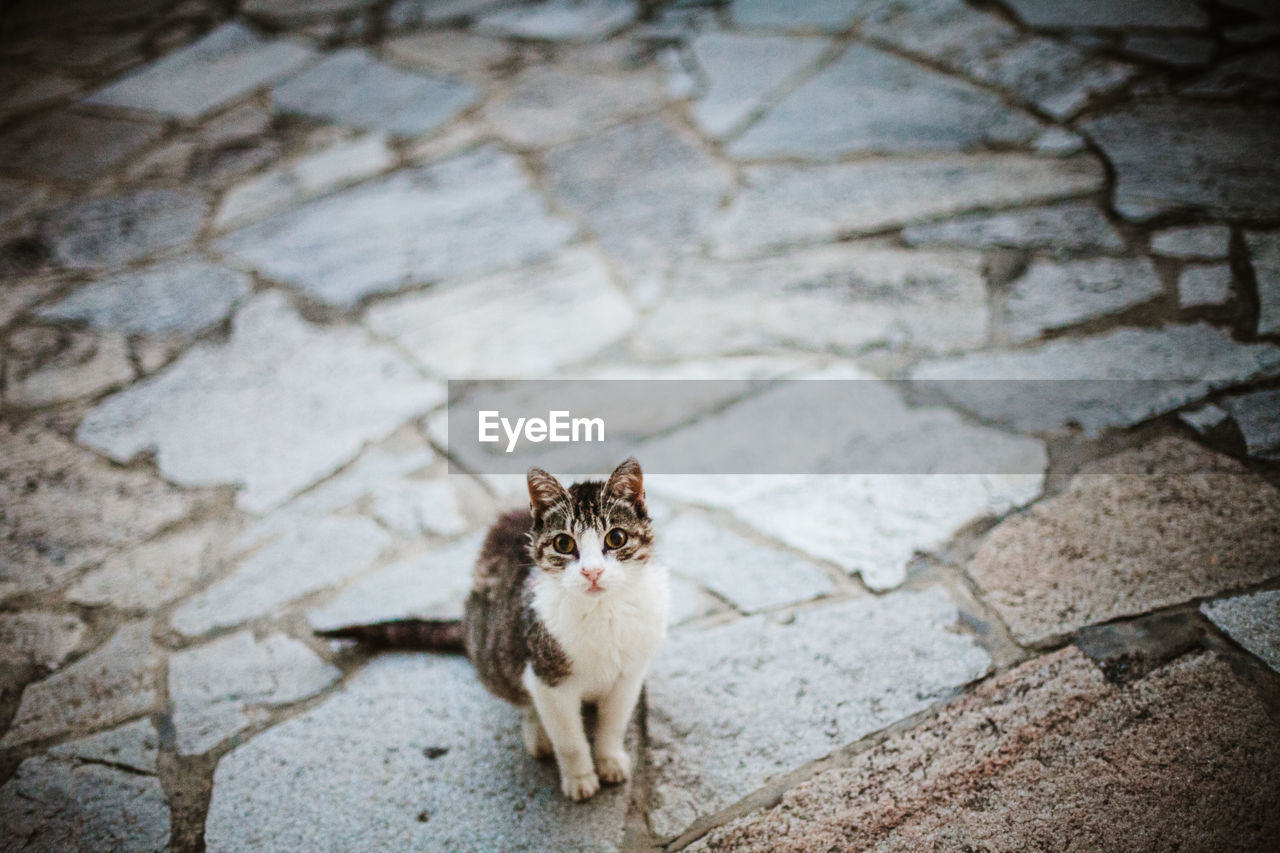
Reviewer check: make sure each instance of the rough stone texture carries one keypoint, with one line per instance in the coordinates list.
(475, 59)
(114, 230)
(413, 507)
(561, 20)
(351, 86)
(451, 330)
(783, 205)
(1257, 414)
(872, 101)
(78, 511)
(37, 638)
(70, 145)
(135, 746)
(1264, 254)
(1205, 418)
(414, 728)
(1253, 621)
(213, 686)
(1223, 159)
(688, 601)
(1070, 227)
(1204, 285)
(413, 12)
(64, 365)
(469, 215)
(317, 395)
(1209, 242)
(1114, 14)
(1184, 759)
(742, 70)
(309, 555)
(181, 297)
(1053, 295)
(784, 695)
(1141, 530)
(113, 683)
(150, 576)
(828, 15)
(1163, 369)
(223, 66)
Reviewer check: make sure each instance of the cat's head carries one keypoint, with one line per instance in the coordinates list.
(594, 537)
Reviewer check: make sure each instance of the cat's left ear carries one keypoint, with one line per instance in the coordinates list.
(627, 481)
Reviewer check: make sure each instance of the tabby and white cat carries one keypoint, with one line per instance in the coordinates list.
(565, 608)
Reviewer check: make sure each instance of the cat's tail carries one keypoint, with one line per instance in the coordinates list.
(424, 635)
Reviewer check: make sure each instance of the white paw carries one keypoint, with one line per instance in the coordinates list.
(580, 787)
(614, 768)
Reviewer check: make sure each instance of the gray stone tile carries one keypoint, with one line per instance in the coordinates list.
(80, 510)
(181, 297)
(352, 86)
(1070, 227)
(784, 694)
(474, 59)
(134, 745)
(213, 687)
(410, 13)
(39, 638)
(222, 67)
(309, 555)
(1176, 50)
(872, 101)
(114, 230)
(469, 215)
(313, 397)
(413, 507)
(1264, 255)
(1205, 418)
(1190, 360)
(482, 793)
(1253, 621)
(1055, 295)
(785, 205)
(68, 365)
(827, 15)
(561, 20)
(1257, 414)
(742, 70)
(151, 575)
(1217, 158)
(450, 330)
(1172, 14)
(111, 684)
(1209, 242)
(1204, 285)
(73, 146)
(688, 602)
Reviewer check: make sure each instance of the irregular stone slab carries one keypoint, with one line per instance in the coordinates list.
(1253, 621)
(1184, 758)
(688, 602)
(152, 575)
(1208, 242)
(316, 396)
(469, 215)
(1141, 530)
(784, 694)
(1070, 227)
(68, 365)
(213, 686)
(751, 575)
(414, 507)
(351, 86)
(344, 161)
(1164, 370)
(445, 758)
(1220, 158)
(1058, 141)
(1055, 295)
(1204, 419)
(742, 70)
(134, 745)
(450, 330)
(65, 509)
(844, 298)
(1258, 416)
(411, 13)
(432, 585)
(1204, 285)
(114, 230)
(310, 555)
(74, 146)
(460, 55)
(561, 20)
(220, 68)
(181, 297)
(872, 101)
(1112, 14)
(39, 638)
(1178, 51)
(828, 15)
(1264, 254)
(785, 205)
(113, 683)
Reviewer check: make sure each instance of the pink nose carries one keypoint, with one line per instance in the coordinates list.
(592, 575)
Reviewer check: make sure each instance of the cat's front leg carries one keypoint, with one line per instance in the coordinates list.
(614, 712)
(560, 709)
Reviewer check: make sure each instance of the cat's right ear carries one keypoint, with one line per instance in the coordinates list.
(545, 491)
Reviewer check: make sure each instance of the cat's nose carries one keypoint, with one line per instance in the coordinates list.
(592, 575)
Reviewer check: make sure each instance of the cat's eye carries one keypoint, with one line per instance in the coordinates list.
(563, 543)
(615, 539)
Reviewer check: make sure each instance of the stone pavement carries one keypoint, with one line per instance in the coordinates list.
(245, 244)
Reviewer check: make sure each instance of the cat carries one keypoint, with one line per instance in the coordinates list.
(565, 608)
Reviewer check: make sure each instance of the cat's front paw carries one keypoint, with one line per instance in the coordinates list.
(580, 787)
(614, 768)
